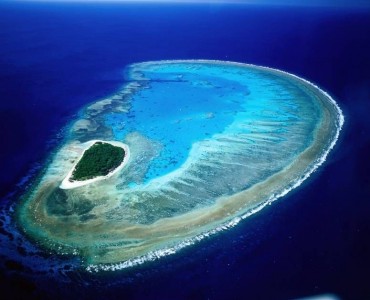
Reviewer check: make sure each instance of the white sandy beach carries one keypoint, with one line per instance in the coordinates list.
(66, 184)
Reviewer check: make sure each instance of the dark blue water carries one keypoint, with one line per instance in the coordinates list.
(56, 58)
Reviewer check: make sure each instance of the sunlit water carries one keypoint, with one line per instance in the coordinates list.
(210, 143)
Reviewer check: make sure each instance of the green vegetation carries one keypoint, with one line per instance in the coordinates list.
(98, 160)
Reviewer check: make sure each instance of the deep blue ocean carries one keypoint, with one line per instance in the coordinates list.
(57, 58)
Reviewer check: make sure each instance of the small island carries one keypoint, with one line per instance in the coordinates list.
(100, 160)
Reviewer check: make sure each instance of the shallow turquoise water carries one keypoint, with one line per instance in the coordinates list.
(181, 104)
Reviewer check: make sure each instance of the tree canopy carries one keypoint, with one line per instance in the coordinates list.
(100, 159)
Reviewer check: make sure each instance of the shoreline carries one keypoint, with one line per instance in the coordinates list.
(66, 184)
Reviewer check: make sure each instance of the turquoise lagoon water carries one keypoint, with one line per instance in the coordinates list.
(210, 143)
(182, 104)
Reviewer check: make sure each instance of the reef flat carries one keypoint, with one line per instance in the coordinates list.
(210, 142)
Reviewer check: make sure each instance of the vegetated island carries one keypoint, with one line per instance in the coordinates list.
(99, 161)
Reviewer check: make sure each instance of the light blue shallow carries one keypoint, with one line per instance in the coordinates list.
(181, 104)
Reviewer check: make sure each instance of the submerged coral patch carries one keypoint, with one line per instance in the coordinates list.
(209, 143)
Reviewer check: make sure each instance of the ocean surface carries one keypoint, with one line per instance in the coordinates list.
(55, 59)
